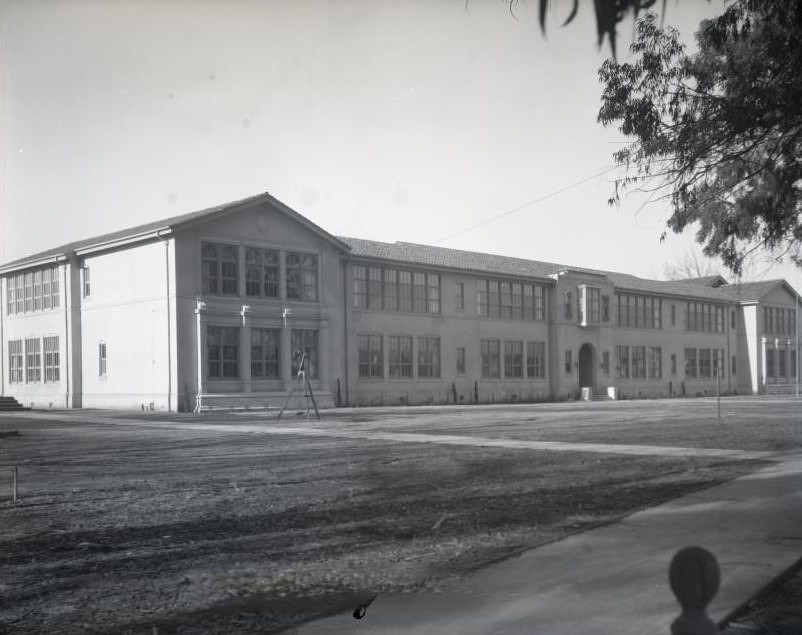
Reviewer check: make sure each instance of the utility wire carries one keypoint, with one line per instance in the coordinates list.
(525, 205)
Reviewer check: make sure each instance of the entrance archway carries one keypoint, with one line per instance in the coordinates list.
(587, 366)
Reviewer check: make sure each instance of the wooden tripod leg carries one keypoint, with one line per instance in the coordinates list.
(286, 403)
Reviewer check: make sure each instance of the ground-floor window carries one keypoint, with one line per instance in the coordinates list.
(690, 363)
(15, 362)
(536, 360)
(222, 352)
(720, 369)
(569, 362)
(639, 362)
(371, 356)
(655, 362)
(704, 363)
(732, 367)
(460, 361)
(781, 360)
(400, 356)
(514, 359)
(490, 352)
(793, 363)
(265, 353)
(770, 363)
(52, 370)
(622, 361)
(304, 343)
(33, 360)
(673, 363)
(428, 357)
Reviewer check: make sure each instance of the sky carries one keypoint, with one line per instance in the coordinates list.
(392, 120)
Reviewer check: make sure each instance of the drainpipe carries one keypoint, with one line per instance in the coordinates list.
(345, 328)
(199, 308)
(169, 322)
(67, 334)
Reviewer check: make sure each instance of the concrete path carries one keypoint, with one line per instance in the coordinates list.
(611, 580)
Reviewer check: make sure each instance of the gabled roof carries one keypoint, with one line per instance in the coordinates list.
(755, 291)
(428, 255)
(165, 227)
(706, 281)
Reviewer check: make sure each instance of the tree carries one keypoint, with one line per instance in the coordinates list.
(690, 265)
(718, 133)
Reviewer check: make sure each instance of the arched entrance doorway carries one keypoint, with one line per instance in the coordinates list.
(587, 367)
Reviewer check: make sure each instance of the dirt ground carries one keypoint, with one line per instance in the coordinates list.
(144, 524)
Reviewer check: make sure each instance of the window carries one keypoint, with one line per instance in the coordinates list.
(220, 268)
(792, 372)
(638, 362)
(222, 352)
(51, 359)
(536, 360)
(490, 352)
(770, 374)
(514, 359)
(360, 286)
(46, 294)
(606, 363)
(493, 296)
(481, 298)
(302, 277)
(705, 363)
(265, 353)
(433, 293)
(460, 361)
(400, 356)
(690, 362)
(54, 288)
(37, 290)
(506, 300)
(673, 315)
(781, 359)
(605, 309)
(86, 282)
(33, 360)
(655, 362)
(261, 272)
(569, 363)
(11, 295)
(622, 361)
(673, 363)
(429, 357)
(390, 290)
(29, 291)
(405, 291)
(101, 359)
(15, 362)
(459, 296)
(568, 305)
(375, 290)
(594, 305)
(719, 368)
(304, 345)
(704, 317)
(370, 355)
(20, 294)
(517, 301)
(637, 311)
(419, 292)
(732, 320)
(733, 366)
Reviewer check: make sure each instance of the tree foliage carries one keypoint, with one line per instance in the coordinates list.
(717, 132)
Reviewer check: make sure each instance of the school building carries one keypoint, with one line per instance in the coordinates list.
(218, 307)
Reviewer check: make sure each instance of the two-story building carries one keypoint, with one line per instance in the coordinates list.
(224, 307)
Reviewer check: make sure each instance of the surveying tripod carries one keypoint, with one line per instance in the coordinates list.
(303, 375)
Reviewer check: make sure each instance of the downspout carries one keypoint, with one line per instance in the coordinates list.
(169, 323)
(2, 341)
(345, 327)
(67, 358)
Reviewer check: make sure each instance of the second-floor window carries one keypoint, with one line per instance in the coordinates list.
(302, 277)
(220, 268)
(261, 272)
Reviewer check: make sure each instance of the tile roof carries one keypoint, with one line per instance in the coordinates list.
(708, 281)
(427, 255)
(751, 291)
(167, 223)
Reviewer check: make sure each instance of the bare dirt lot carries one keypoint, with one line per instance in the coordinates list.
(174, 523)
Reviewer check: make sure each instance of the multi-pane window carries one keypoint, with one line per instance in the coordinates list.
(490, 353)
(770, 353)
(265, 353)
(101, 359)
(510, 300)
(222, 352)
(220, 268)
(86, 282)
(673, 315)
(370, 355)
(569, 361)
(513, 359)
(52, 366)
(37, 290)
(639, 311)
(301, 277)
(593, 300)
(690, 363)
(28, 291)
(536, 360)
(15, 362)
(718, 361)
(638, 362)
(460, 361)
(705, 365)
(622, 361)
(20, 294)
(779, 321)
(673, 363)
(732, 366)
(655, 362)
(704, 317)
(569, 307)
(459, 296)
(261, 272)
(400, 356)
(304, 346)
(33, 360)
(605, 308)
(428, 357)
(395, 290)
(606, 363)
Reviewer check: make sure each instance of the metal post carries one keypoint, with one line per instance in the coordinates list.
(199, 308)
(718, 392)
(14, 479)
